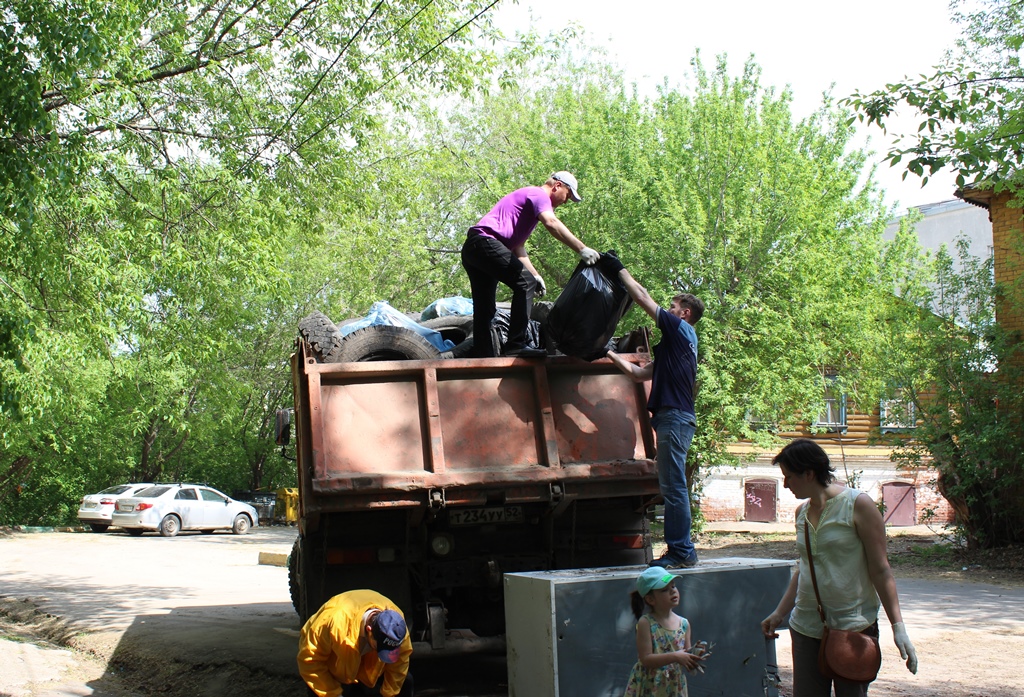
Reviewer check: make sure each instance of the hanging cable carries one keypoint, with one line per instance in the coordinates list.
(394, 77)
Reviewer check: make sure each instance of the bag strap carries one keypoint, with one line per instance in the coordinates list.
(810, 563)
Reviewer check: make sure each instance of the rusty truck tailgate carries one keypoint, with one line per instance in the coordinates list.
(386, 433)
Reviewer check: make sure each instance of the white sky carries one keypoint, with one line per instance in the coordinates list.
(808, 45)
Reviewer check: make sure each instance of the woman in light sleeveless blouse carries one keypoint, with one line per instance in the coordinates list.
(847, 537)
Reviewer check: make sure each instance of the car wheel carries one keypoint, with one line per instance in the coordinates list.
(98, 527)
(134, 532)
(241, 525)
(170, 525)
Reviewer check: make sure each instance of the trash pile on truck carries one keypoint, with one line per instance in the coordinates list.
(580, 323)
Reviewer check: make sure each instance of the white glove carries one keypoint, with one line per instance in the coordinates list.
(589, 256)
(899, 635)
(541, 288)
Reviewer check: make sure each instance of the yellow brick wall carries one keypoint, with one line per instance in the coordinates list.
(1007, 242)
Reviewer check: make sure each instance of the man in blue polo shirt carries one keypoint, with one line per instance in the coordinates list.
(673, 374)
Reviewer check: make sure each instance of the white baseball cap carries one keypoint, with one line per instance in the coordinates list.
(570, 181)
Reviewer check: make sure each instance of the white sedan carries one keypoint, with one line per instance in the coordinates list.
(171, 508)
(95, 510)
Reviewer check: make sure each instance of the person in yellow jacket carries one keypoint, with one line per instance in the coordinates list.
(356, 644)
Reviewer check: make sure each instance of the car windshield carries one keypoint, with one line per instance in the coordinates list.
(116, 489)
(152, 492)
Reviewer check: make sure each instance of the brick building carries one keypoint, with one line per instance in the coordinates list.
(1008, 252)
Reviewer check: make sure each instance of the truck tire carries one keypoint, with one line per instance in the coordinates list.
(321, 334)
(455, 328)
(293, 578)
(383, 343)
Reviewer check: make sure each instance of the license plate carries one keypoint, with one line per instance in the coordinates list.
(482, 516)
(89, 504)
(125, 507)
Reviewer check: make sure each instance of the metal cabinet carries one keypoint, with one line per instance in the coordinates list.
(572, 632)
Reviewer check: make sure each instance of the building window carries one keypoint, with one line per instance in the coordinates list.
(897, 414)
(833, 416)
(759, 422)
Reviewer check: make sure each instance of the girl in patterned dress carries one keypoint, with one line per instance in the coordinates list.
(663, 638)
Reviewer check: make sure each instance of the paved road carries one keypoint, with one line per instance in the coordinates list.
(204, 600)
(207, 593)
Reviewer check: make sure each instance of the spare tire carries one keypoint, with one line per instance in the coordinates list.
(321, 334)
(455, 328)
(383, 343)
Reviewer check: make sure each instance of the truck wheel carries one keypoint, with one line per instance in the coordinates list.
(455, 328)
(293, 577)
(321, 334)
(383, 343)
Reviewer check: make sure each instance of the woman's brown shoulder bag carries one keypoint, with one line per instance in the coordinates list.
(844, 654)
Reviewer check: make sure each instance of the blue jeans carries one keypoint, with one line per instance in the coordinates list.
(675, 429)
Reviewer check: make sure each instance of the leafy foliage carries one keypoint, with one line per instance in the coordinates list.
(167, 177)
(971, 108)
(964, 372)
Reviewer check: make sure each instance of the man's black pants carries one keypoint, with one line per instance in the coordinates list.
(487, 261)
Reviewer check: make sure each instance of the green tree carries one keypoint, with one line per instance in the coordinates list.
(158, 165)
(716, 190)
(965, 368)
(963, 372)
(971, 108)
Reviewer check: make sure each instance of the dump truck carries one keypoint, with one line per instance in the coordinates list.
(427, 480)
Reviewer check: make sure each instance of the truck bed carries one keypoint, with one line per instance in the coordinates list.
(403, 433)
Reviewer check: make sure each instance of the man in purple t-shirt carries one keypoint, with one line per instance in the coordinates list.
(495, 250)
(673, 375)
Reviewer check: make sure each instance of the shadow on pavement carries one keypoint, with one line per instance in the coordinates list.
(249, 651)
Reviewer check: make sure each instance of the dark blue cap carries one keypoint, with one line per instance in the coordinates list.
(389, 631)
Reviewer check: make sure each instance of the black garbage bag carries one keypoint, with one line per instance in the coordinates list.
(499, 331)
(586, 313)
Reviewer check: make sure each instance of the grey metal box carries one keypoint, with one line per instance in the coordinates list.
(572, 633)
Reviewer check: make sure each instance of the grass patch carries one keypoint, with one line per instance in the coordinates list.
(926, 555)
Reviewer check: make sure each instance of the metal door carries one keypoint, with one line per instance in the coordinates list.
(216, 513)
(900, 500)
(759, 497)
(189, 508)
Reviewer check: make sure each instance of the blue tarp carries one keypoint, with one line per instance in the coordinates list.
(455, 305)
(383, 314)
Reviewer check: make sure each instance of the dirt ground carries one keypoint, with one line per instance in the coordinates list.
(966, 627)
(965, 615)
(918, 553)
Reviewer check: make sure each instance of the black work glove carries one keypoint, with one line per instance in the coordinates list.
(610, 264)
